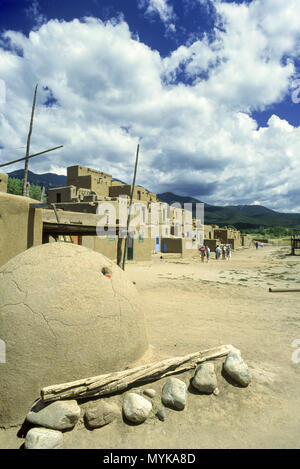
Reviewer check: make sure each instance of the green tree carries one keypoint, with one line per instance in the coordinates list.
(35, 192)
(14, 186)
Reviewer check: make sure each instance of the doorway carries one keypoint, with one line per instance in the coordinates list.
(130, 248)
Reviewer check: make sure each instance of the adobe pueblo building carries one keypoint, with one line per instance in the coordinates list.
(92, 197)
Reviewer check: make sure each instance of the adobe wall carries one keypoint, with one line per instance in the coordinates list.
(80, 207)
(122, 189)
(211, 243)
(79, 171)
(246, 240)
(233, 243)
(87, 178)
(190, 248)
(70, 217)
(108, 246)
(182, 246)
(208, 232)
(171, 245)
(140, 193)
(3, 182)
(104, 245)
(66, 194)
(221, 235)
(142, 249)
(21, 227)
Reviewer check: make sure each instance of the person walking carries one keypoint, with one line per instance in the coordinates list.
(202, 253)
(218, 252)
(208, 254)
(256, 244)
(224, 252)
(228, 252)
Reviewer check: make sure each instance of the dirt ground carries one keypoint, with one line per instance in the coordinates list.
(190, 306)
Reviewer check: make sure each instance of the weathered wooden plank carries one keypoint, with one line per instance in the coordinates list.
(118, 381)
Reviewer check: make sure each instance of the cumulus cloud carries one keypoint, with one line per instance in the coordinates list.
(101, 91)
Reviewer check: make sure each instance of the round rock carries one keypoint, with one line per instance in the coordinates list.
(101, 413)
(63, 319)
(136, 408)
(205, 379)
(43, 438)
(150, 393)
(59, 415)
(236, 368)
(174, 393)
(161, 414)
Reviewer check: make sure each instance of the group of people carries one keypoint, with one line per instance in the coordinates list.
(257, 244)
(223, 250)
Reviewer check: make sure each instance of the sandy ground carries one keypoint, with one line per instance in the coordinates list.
(190, 306)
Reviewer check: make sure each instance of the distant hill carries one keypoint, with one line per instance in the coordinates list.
(48, 180)
(240, 216)
(171, 198)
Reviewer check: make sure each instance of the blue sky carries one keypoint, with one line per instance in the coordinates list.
(209, 88)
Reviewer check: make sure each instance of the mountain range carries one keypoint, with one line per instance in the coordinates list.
(240, 216)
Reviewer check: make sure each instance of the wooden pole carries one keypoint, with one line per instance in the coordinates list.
(118, 381)
(283, 290)
(30, 156)
(57, 218)
(28, 142)
(43, 194)
(130, 203)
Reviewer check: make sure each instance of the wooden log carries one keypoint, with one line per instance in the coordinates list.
(118, 381)
(31, 156)
(28, 145)
(283, 290)
(130, 204)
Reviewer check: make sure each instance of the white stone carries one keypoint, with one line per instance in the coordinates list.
(174, 393)
(136, 408)
(236, 368)
(59, 415)
(43, 438)
(150, 392)
(161, 414)
(205, 379)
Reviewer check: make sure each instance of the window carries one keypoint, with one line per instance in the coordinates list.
(58, 197)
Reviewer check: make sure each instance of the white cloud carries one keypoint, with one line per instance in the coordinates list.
(111, 90)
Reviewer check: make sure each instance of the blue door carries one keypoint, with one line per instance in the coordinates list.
(157, 244)
(130, 248)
